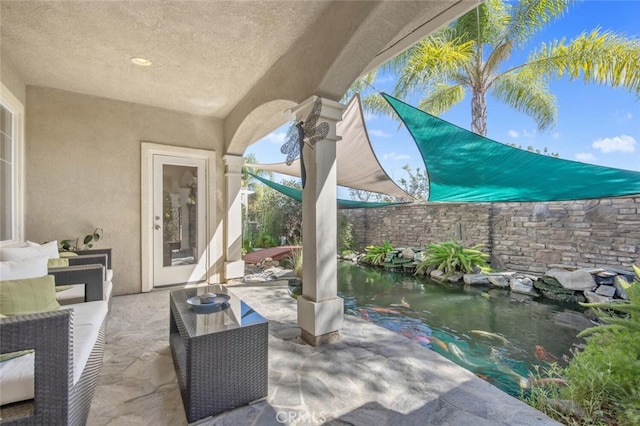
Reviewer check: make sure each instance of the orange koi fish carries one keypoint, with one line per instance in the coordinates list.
(384, 310)
(439, 342)
(543, 355)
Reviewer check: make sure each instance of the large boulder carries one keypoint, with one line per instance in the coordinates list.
(596, 298)
(523, 286)
(499, 281)
(437, 275)
(606, 290)
(573, 280)
(407, 253)
(476, 279)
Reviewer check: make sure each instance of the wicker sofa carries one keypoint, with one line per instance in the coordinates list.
(82, 268)
(55, 384)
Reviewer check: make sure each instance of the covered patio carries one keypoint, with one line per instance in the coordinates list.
(96, 90)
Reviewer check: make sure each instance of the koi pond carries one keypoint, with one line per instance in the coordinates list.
(498, 336)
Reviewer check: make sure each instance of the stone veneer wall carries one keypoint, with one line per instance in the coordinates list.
(524, 237)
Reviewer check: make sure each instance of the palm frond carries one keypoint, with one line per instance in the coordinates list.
(375, 104)
(527, 95)
(434, 59)
(501, 53)
(598, 57)
(484, 24)
(529, 16)
(442, 98)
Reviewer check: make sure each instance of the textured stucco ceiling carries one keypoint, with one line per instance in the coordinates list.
(208, 56)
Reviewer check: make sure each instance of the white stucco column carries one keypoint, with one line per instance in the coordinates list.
(234, 265)
(320, 310)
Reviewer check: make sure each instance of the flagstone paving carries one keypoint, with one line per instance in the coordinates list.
(371, 377)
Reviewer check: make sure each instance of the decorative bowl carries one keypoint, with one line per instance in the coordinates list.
(207, 298)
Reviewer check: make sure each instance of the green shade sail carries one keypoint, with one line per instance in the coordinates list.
(465, 167)
(296, 194)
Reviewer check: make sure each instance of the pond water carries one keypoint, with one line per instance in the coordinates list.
(498, 336)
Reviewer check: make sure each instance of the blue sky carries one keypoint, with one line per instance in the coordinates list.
(596, 124)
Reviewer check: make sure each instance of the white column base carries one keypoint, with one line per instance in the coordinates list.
(234, 269)
(319, 318)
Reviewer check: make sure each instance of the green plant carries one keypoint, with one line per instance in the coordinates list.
(375, 255)
(265, 240)
(87, 242)
(247, 247)
(294, 262)
(451, 257)
(346, 240)
(602, 380)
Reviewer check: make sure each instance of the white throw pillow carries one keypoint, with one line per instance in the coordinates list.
(26, 268)
(48, 249)
(18, 253)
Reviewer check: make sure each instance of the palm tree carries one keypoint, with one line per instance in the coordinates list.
(249, 181)
(467, 56)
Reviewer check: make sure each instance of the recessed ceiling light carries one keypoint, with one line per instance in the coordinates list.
(141, 62)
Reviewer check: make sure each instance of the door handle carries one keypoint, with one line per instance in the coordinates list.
(157, 227)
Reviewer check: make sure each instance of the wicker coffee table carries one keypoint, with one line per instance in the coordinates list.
(220, 355)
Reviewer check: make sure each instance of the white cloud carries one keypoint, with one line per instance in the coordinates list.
(276, 137)
(555, 136)
(513, 133)
(585, 157)
(395, 156)
(528, 134)
(629, 116)
(623, 143)
(379, 133)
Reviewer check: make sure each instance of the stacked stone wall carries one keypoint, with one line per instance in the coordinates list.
(524, 237)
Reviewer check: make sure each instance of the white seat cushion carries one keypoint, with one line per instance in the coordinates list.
(76, 293)
(16, 375)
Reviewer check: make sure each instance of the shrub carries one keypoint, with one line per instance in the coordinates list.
(602, 380)
(451, 257)
(375, 255)
(294, 262)
(265, 240)
(346, 240)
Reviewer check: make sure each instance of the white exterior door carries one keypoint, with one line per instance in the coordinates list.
(179, 219)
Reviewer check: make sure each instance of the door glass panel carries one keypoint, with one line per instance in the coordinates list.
(7, 199)
(179, 215)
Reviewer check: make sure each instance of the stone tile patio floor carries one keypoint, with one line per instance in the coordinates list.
(371, 377)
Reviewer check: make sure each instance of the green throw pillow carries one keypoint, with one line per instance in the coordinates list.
(11, 355)
(58, 263)
(67, 254)
(28, 296)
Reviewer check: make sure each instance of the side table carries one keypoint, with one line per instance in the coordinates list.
(220, 356)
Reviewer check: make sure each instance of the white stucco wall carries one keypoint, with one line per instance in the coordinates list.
(83, 169)
(12, 80)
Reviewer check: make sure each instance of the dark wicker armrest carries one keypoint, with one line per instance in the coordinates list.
(50, 334)
(106, 251)
(92, 276)
(89, 259)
